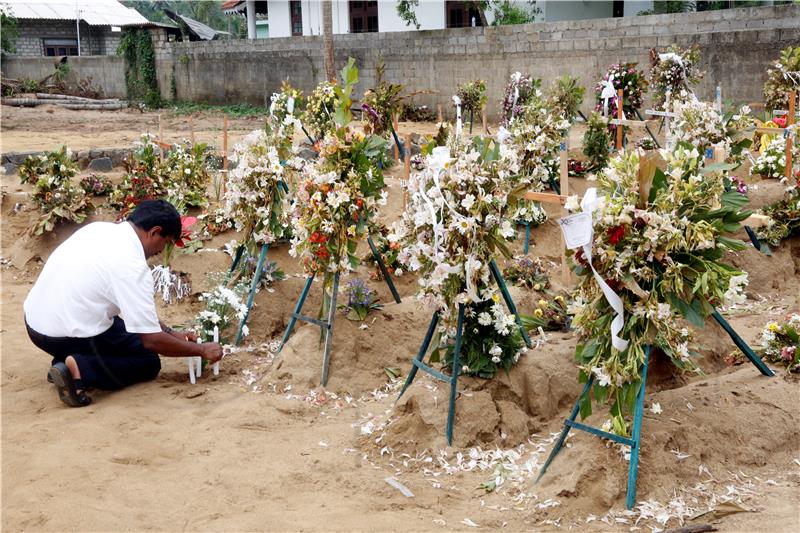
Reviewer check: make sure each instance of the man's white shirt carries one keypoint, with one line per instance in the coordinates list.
(98, 273)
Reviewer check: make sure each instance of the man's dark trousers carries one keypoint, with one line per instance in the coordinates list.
(112, 360)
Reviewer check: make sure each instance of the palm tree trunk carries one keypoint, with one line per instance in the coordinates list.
(327, 39)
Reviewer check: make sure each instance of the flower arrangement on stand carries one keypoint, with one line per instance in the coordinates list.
(784, 218)
(96, 185)
(565, 97)
(380, 103)
(623, 76)
(286, 103)
(780, 342)
(184, 174)
(320, 107)
(782, 78)
(596, 142)
(142, 181)
(518, 91)
(473, 98)
(657, 244)
(56, 197)
(338, 198)
(457, 221)
(674, 71)
(536, 135)
(700, 125)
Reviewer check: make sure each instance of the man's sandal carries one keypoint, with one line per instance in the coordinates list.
(71, 391)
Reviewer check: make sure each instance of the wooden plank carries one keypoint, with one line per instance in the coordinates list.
(439, 116)
(407, 170)
(546, 197)
(756, 220)
(566, 275)
(771, 131)
(620, 104)
(396, 148)
(225, 154)
(160, 139)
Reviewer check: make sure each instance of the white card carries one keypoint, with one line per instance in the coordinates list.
(577, 229)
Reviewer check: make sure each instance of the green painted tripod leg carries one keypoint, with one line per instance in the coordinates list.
(236, 258)
(297, 309)
(326, 357)
(636, 434)
(382, 266)
(423, 349)
(742, 345)
(527, 238)
(561, 438)
(509, 302)
(451, 414)
(256, 277)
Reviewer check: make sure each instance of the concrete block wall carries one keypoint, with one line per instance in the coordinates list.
(107, 72)
(95, 40)
(737, 46)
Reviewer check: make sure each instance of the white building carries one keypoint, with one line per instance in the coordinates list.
(304, 17)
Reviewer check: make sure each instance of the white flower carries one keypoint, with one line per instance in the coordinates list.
(484, 319)
(655, 408)
(468, 201)
(572, 204)
(603, 379)
(506, 229)
(495, 350)
(496, 359)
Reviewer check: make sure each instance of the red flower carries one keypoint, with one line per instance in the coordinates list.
(615, 234)
(322, 252)
(780, 121)
(186, 232)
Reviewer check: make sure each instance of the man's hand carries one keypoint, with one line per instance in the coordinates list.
(210, 351)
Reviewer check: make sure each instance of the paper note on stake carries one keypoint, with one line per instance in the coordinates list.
(577, 230)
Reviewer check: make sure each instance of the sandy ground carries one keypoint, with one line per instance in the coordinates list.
(261, 447)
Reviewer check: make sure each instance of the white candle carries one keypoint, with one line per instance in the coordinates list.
(190, 360)
(216, 329)
(199, 361)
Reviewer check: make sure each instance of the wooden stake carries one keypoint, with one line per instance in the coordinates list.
(667, 98)
(191, 129)
(160, 139)
(485, 122)
(224, 154)
(439, 116)
(566, 277)
(407, 171)
(789, 122)
(620, 103)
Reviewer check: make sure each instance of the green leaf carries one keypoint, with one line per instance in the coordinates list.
(659, 182)
(586, 406)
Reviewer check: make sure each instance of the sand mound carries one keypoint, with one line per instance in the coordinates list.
(503, 411)
(702, 426)
(358, 356)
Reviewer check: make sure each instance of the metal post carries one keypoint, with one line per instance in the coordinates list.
(326, 358)
(451, 414)
(256, 277)
(423, 349)
(636, 434)
(297, 309)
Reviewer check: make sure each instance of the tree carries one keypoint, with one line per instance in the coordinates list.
(327, 40)
(8, 31)
(506, 12)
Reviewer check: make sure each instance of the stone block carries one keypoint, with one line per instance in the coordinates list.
(10, 168)
(101, 164)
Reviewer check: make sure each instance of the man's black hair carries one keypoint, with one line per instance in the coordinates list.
(152, 213)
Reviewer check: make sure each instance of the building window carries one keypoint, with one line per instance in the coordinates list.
(363, 17)
(461, 14)
(296, 15)
(60, 47)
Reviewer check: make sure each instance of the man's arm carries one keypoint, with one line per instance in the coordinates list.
(171, 346)
(186, 335)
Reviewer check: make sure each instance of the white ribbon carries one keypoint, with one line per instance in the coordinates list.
(457, 102)
(589, 204)
(502, 135)
(608, 93)
(216, 339)
(290, 105)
